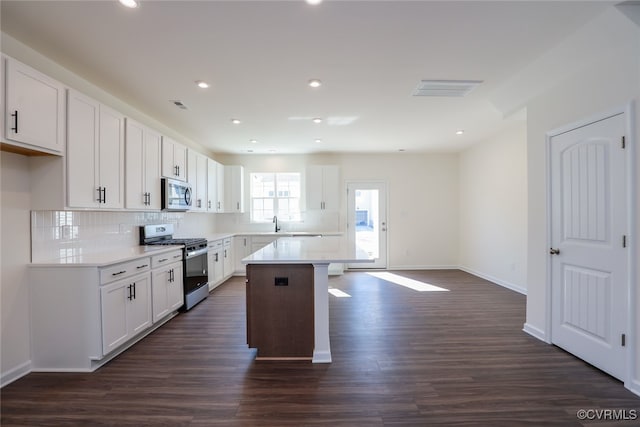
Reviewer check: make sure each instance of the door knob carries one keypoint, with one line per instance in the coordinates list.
(553, 251)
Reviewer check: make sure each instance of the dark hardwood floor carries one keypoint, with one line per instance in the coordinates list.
(401, 357)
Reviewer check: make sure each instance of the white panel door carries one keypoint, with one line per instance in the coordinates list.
(135, 191)
(34, 108)
(152, 153)
(82, 154)
(367, 221)
(589, 261)
(111, 155)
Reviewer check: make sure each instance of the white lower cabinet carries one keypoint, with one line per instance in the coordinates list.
(241, 249)
(83, 315)
(126, 310)
(215, 258)
(227, 257)
(166, 281)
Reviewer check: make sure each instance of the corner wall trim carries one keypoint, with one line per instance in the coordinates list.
(15, 373)
(535, 332)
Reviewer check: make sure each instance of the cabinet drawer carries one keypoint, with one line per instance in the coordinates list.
(227, 242)
(166, 258)
(217, 244)
(125, 269)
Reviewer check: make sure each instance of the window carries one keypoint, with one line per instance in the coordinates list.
(275, 194)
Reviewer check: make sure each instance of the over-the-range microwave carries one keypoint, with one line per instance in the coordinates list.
(176, 195)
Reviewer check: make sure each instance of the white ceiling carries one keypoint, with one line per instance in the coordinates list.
(259, 55)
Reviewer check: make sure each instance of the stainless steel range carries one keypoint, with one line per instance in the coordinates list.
(194, 260)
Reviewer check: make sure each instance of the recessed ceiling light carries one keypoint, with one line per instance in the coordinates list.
(202, 85)
(315, 83)
(401, 150)
(236, 121)
(318, 141)
(317, 120)
(253, 141)
(459, 132)
(313, 2)
(129, 3)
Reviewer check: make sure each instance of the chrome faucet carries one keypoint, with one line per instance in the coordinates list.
(275, 221)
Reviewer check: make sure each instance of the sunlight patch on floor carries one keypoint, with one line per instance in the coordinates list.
(338, 293)
(416, 285)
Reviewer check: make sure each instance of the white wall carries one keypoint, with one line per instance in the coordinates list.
(493, 208)
(15, 202)
(422, 201)
(609, 51)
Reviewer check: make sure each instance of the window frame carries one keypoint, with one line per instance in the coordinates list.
(290, 215)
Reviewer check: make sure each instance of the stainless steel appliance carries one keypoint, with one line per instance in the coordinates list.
(175, 195)
(196, 275)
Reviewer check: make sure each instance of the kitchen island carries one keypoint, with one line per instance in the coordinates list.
(281, 265)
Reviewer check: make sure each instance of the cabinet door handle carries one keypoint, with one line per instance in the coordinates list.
(15, 121)
(217, 256)
(238, 204)
(163, 260)
(142, 266)
(218, 205)
(149, 199)
(177, 256)
(130, 295)
(119, 273)
(99, 199)
(134, 290)
(209, 204)
(104, 194)
(225, 253)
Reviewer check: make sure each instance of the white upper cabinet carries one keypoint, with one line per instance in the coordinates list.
(215, 186)
(323, 187)
(197, 177)
(233, 189)
(95, 156)
(34, 113)
(220, 187)
(142, 167)
(174, 159)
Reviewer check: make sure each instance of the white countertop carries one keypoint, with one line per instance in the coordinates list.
(102, 259)
(308, 250)
(289, 233)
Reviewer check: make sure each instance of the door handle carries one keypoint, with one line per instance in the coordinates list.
(554, 251)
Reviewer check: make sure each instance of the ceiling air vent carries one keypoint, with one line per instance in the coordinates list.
(445, 87)
(178, 104)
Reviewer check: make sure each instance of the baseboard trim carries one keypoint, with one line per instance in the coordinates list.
(15, 373)
(535, 332)
(495, 280)
(422, 267)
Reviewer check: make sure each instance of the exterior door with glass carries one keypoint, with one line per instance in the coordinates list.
(367, 220)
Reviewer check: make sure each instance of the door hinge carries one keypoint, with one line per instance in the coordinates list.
(624, 144)
(624, 241)
(623, 340)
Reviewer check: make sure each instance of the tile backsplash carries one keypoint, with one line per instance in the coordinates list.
(60, 234)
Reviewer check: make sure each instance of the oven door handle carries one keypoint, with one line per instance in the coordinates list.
(197, 252)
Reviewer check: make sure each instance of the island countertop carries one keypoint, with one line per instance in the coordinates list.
(309, 250)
